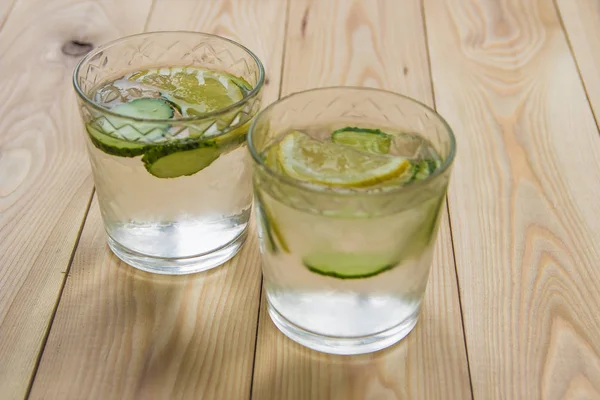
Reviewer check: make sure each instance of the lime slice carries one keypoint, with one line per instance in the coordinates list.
(348, 265)
(370, 140)
(204, 91)
(310, 160)
(210, 95)
(234, 137)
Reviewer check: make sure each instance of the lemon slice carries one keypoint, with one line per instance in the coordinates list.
(307, 159)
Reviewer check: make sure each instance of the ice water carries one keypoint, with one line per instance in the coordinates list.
(171, 192)
(349, 262)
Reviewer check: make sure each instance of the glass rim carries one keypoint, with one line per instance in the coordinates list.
(251, 94)
(354, 193)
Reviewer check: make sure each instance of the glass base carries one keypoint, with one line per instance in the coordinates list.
(178, 266)
(342, 345)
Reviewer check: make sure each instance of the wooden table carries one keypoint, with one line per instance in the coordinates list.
(512, 306)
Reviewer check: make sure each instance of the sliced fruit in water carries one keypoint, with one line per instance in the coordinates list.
(310, 160)
(234, 137)
(176, 107)
(209, 96)
(154, 79)
(424, 168)
(418, 171)
(150, 108)
(348, 265)
(241, 83)
(205, 91)
(184, 92)
(180, 158)
(113, 146)
(370, 140)
(275, 238)
(271, 158)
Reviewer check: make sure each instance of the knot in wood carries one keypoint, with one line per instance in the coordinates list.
(76, 48)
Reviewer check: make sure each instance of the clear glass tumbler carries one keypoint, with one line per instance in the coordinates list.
(175, 193)
(311, 236)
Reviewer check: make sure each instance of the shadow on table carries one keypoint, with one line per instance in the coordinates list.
(195, 328)
(124, 333)
(413, 368)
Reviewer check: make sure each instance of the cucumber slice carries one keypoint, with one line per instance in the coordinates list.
(174, 106)
(369, 140)
(181, 158)
(348, 265)
(113, 146)
(424, 168)
(139, 131)
(123, 138)
(145, 108)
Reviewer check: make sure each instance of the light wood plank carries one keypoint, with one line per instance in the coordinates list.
(45, 185)
(581, 20)
(378, 44)
(523, 203)
(121, 333)
(6, 8)
(257, 24)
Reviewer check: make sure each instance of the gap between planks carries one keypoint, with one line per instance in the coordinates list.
(260, 296)
(59, 296)
(460, 305)
(71, 258)
(574, 57)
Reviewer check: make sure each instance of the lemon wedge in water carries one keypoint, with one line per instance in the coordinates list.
(304, 158)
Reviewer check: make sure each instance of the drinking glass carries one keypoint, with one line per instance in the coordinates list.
(189, 212)
(314, 239)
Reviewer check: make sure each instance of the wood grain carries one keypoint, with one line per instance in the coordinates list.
(6, 8)
(121, 333)
(45, 185)
(581, 20)
(242, 21)
(378, 44)
(523, 203)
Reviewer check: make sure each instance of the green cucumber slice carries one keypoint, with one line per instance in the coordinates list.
(123, 138)
(113, 146)
(174, 106)
(369, 140)
(348, 265)
(424, 168)
(151, 108)
(181, 158)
